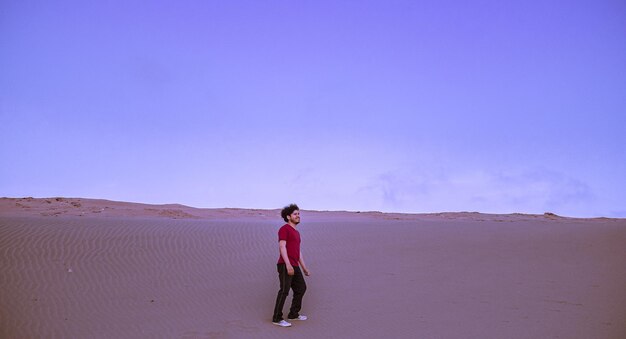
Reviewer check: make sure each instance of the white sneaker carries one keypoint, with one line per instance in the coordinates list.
(300, 317)
(282, 323)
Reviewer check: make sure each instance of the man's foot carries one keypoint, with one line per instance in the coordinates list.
(300, 317)
(282, 323)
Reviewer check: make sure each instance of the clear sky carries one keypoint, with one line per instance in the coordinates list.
(406, 106)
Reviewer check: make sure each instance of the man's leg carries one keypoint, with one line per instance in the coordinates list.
(299, 287)
(285, 284)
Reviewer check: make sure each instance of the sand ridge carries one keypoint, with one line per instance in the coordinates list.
(82, 207)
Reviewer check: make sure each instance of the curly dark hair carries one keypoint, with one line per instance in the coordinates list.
(287, 210)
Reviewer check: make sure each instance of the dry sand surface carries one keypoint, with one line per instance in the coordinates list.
(79, 268)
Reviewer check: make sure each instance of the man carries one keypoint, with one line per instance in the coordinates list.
(290, 268)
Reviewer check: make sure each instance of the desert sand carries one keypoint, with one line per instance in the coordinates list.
(81, 268)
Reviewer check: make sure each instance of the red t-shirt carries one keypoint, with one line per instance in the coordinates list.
(292, 236)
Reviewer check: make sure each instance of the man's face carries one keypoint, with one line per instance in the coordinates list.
(294, 217)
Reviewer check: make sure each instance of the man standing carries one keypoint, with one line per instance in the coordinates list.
(290, 268)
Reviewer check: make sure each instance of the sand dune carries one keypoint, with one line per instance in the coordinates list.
(80, 268)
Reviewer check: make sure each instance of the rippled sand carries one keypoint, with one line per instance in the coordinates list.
(79, 268)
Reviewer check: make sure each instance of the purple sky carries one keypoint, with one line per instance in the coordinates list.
(407, 106)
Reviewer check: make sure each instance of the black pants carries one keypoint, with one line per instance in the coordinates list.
(295, 282)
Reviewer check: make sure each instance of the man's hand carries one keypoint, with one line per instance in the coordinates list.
(306, 272)
(290, 270)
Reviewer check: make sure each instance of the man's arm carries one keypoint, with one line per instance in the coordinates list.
(303, 266)
(282, 245)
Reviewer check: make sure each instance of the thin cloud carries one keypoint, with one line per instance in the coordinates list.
(528, 191)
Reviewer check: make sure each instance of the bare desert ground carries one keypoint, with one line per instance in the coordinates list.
(81, 268)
